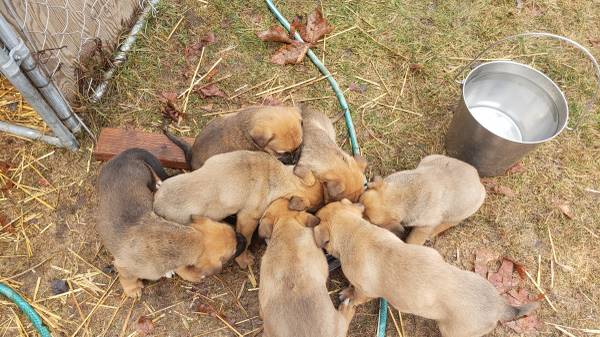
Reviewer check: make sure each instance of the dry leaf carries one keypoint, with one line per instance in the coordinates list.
(503, 278)
(297, 26)
(493, 187)
(360, 88)
(207, 107)
(170, 109)
(194, 49)
(316, 28)
(276, 33)
(595, 42)
(144, 326)
(516, 168)
(43, 182)
(482, 257)
(290, 53)
(205, 309)
(210, 90)
(564, 207)
(416, 67)
(4, 224)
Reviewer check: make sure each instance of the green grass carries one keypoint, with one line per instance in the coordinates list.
(441, 36)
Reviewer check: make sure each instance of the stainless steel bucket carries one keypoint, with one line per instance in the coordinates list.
(505, 111)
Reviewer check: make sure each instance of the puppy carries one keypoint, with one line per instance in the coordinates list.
(437, 195)
(275, 130)
(341, 174)
(239, 182)
(414, 279)
(293, 296)
(144, 245)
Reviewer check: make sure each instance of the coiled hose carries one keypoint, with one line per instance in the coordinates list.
(26, 308)
(382, 321)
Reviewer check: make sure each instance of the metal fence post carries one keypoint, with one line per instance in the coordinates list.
(40, 80)
(13, 73)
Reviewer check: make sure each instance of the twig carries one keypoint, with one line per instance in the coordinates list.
(338, 33)
(89, 264)
(540, 290)
(176, 25)
(201, 78)
(400, 109)
(100, 301)
(126, 323)
(368, 81)
(374, 100)
(381, 78)
(253, 87)
(189, 89)
(592, 331)
(394, 321)
(25, 271)
(299, 84)
(404, 80)
(229, 325)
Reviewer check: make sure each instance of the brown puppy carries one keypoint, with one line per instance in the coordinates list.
(293, 294)
(239, 182)
(144, 245)
(341, 174)
(414, 279)
(437, 195)
(275, 130)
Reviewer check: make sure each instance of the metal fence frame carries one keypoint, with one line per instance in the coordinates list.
(25, 73)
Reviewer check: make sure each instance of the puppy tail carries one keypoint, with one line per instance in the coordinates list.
(154, 164)
(512, 313)
(185, 147)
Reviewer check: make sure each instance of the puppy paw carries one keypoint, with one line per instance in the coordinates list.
(245, 259)
(157, 185)
(134, 290)
(347, 294)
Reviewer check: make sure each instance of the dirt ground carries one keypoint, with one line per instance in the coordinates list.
(400, 58)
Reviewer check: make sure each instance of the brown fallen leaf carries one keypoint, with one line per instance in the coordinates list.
(416, 67)
(316, 27)
(144, 326)
(493, 187)
(194, 49)
(360, 88)
(516, 168)
(210, 90)
(43, 182)
(503, 278)
(276, 33)
(595, 42)
(170, 108)
(8, 185)
(482, 257)
(297, 26)
(564, 207)
(290, 53)
(4, 224)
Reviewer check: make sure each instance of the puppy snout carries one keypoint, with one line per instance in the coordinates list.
(241, 244)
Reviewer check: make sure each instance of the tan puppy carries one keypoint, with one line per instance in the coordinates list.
(414, 279)
(240, 182)
(341, 174)
(276, 130)
(437, 195)
(293, 294)
(148, 247)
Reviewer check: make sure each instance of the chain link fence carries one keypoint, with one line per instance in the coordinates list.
(55, 51)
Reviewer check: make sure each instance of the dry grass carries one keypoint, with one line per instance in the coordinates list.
(401, 117)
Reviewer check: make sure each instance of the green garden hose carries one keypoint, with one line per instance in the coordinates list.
(382, 322)
(26, 308)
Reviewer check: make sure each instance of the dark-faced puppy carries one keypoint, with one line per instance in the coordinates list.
(440, 193)
(144, 245)
(414, 279)
(239, 182)
(342, 175)
(276, 130)
(293, 296)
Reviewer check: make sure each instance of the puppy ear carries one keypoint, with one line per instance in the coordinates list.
(311, 220)
(321, 236)
(334, 188)
(261, 135)
(304, 173)
(361, 162)
(376, 183)
(265, 227)
(297, 204)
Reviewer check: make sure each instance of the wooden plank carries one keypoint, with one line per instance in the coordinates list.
(113, 141)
